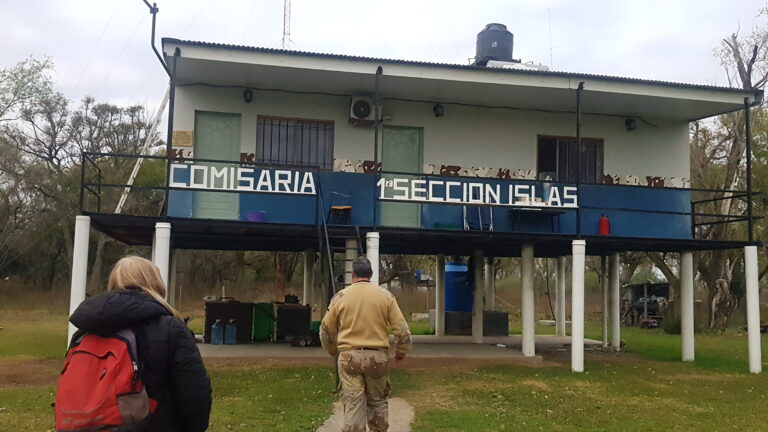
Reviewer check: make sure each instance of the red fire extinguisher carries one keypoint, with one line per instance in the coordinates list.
(605, 225)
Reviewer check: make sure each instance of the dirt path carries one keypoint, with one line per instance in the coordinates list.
(401, 415)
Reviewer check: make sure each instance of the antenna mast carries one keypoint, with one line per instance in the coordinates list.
(286, 23)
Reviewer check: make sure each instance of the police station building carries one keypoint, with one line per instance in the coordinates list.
(282, 150)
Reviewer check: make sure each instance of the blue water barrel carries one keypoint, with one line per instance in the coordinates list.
(230, 333)
(458, 293)
(217, 332)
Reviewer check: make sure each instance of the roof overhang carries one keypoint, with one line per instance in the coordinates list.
(264, 68)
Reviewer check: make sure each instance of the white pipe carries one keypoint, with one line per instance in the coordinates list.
(527, 303)
(604, 286)
(372, 253)
(477, 301)
(172, 298)
(440, 296)
(490, 285)
(350, 253)
(560, 300)
(686, 306)
(614, 266)
(577, 306)
(753, 309)
(309, 262)
(79, 267)
(162, 250)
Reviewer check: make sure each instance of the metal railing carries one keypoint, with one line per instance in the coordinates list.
(94, 185)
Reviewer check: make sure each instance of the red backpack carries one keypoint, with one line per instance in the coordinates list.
(100, 387)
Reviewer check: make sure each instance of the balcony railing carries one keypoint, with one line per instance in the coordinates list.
(255, 193)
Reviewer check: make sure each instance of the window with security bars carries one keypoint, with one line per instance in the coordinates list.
(294, 142)
(560, 159)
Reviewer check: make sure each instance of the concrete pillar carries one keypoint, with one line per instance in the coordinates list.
(477, 301)
(560, 308)
(350, 253)
(686, 305)
(309, 276)
(161, 252)
(604, 289)
(79, 267)
(614, 268)
(527, 304)
(490, 285)
(753, 308)
(372, 253)
(173, 297)
(440, 296)
(577, 306)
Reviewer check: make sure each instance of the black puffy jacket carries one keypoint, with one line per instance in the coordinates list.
(172, 368)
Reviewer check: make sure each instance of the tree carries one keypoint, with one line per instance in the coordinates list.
(24, 85)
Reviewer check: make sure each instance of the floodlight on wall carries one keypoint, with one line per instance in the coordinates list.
(438, 110)
(248, 95)
(630, 124)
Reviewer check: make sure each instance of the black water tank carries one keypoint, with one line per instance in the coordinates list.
(494, 42)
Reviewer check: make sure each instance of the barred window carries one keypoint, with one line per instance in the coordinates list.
(294, 142)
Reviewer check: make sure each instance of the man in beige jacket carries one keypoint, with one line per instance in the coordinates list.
(355, 331)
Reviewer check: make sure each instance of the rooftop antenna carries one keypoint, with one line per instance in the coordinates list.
(549, 24)
(286, 24)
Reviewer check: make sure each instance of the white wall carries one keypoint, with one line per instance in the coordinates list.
(467, 136)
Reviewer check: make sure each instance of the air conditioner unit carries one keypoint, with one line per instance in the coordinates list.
(362, 112)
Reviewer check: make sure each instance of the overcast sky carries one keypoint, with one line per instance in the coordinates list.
(101, 47)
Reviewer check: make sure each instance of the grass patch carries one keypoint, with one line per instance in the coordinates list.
(271, 398)
(644, 388)
(35, 334)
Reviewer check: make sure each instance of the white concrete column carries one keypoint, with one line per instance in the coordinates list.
(577, 306)
(477, 300)
(309, 276)
(753, 308)
(527, 303)
(614, 268)
(172, 292)
(350, 253)
(440, 296)
(372, 253)
(161, 252)
(686, 305)
(154, 243)
(490, 285)
(79, 267)
(604, 287)
(560, 308)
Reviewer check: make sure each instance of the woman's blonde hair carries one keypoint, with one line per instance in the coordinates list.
(137, 272)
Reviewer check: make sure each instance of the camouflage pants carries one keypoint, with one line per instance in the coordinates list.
(364, 379)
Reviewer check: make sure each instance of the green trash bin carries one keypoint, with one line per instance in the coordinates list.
(263, 322)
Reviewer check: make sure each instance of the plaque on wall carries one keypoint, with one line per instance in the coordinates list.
(183, 138)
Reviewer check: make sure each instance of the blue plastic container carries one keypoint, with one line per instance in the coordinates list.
(217, 332)
(458, 292)
(230, 333)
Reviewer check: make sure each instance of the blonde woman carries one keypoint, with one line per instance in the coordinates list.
(169, 362)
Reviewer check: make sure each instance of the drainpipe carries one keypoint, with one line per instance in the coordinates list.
(169, 139)
(153, 9)
(578, 155)
(748, 134)
(376, 115)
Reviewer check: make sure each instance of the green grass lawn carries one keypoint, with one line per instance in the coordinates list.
(644, 388)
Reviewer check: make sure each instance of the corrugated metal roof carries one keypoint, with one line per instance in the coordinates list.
(453, 66)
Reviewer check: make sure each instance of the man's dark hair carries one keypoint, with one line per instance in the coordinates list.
(361, 268)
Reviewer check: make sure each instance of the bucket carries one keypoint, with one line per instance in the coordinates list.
(257, 216)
